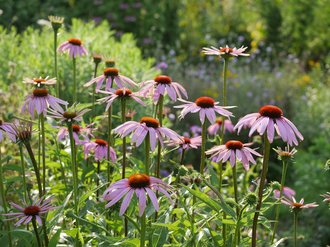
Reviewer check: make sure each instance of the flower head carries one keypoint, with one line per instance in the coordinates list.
(268, 119)
(74, 47)
(40, 100)
(160, 85)
(110, 76)
(146, 126)
(285, 154)
(140, 184)
(206, 106)
(20, 131)
(225, 52)
(186, 142)
(69, 115)
(78, 132)
(56, 22)
(287, 192)
(31, 212)
(99, 148)
(7, 129)
(232, 151)
(121, 93)
(214, 128)
(296, 206)
(40, 82)
(326, 197)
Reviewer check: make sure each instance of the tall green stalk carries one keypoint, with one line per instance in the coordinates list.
(160, 118)
(23, 171)
(295, 223)
(4, 201)
(123, 120)
(235, 189)
(43, 149)
(277, 209)
(143, 229)
(36, 231)
(57, 85)
(74, 80)
(261, 188)
(94, 87)
(236, 238)
(202, 165)
(109, 141)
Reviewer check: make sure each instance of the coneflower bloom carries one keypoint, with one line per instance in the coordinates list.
(214, 128)
(287, 192)
(119, 94)
(7, 129)
(40, 101)
(40, 82)
(31, 212)
(186, 142)
(225, 51)
(140, 130)
(142, 185)
(298, 205)
(267, 119)
(206, 106)
(110, 76)
(20, 131)
(78, 131)
(74, 47)
(232, 151)
(160, 85)
(326, 197)
(70, 115)
(99, 148)
(286, 153)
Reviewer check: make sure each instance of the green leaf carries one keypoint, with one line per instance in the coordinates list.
(54, 240)
(159, 236)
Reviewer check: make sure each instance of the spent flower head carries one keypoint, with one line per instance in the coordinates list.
(56, 21)
(285, 154)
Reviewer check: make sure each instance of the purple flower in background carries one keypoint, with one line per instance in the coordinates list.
(162, 65)
(97, 19)
(123, 6)
(74, 47)
(287, 192)
(268, 119)
(214, 128)
(130, 18)
(160, 85)
(146, 126)
(196, 130)
(142, 185)
(40, 100)
(110, 76)
(232, 151)
(206, 106)
(100, 149)
(137, 5)
(187, 143)
(78, 131)
(32, 212)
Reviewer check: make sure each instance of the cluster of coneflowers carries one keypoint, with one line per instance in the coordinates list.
(115, 88)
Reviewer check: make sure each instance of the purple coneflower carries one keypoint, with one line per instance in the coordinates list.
(214, 128)
(206, 106)
(100, 149)
(110, 76)
(143, 186)
(8, 130)
(186, 142)
(287, 192)
(70, 115)
(40, 82)
(78, 131)
(232, 151)
(74, 47)
(298, 205)
(147, 125)
(160, 85)
(225, 51)
(118, 94)
(40, 100)
(267, 119)
(32, 212)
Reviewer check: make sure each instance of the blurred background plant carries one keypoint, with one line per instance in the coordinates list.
(289, 64)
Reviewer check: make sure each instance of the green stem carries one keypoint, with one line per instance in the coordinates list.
(94, 88)
(39, 144)
(277, 210)
(182, 156)
(74, 172)
(74, 80)
(60, 160)
(123, 120)
(147, 150)
(220, 176)
(23, 172)
(295, 223)
(4, 201)
(55, 65)
(98, 179)
(235, 189)
(236, 238)
(160, 118)
(143, 230)
(202, 165)
(36, 231)
(224, 88)
(261, 188)
(43, 149)
(109, 140)
(35, 165)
